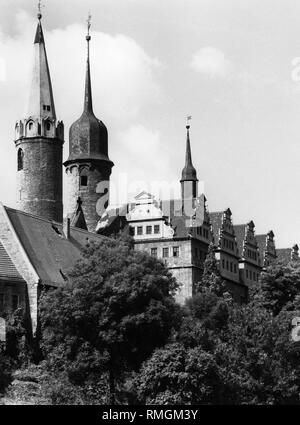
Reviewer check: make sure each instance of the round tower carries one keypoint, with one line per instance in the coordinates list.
(39, 142)
(88, 166)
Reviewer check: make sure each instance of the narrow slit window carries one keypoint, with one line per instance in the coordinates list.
(20, 159)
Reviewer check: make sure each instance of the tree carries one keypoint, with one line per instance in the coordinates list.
(211, 278)
(117, 308)
(176, 375)
(278, 286)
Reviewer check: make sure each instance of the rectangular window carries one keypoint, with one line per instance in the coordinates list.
(231, 267)
(15, 302)
(250, 275)
(140, 230)
(175, 251)
(235, 268)
(165, 252)
(227, 265)
(83, 180)
(247, 274)
(153, 252)
(148, 230)
(200, 231)
(156, 229)
(132, 231)
(1, 301)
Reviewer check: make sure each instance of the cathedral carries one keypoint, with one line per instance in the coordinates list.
(42, 239)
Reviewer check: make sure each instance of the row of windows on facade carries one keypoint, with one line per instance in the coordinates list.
(252, 254)
(139, 230)
(14, 301)
(202, 232)
(228, 244)
(165, 252)
(252, 275)
(198, 254)
(229, 266)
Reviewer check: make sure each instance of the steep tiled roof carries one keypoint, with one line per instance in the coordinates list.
(261, 243)
(239, 230)
(49, 251)
(216, 219)
(284, 255)
(7, 267)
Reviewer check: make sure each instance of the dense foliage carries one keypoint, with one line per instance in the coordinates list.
(115, 334)
(117, 308)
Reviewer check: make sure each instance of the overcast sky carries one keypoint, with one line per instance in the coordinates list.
(229, 64)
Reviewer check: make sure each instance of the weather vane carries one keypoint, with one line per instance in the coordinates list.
(188, 118)
(40, 5)
(89, 19)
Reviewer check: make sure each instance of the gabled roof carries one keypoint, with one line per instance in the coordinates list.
(7, 267)
(240, 233)
(216, 219)
(262, 245)
(49, 251)
(284, 255)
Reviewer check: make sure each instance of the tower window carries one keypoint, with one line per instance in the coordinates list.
(20, 159)
(48, 126)
(30, 126)
(83, 180)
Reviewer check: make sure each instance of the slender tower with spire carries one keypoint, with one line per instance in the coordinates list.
(88, 166)
(39, 139)
(189, 181)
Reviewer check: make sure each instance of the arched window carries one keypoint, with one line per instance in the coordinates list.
(48, 126)
(20, 159)
(30, 126)
(83, 177)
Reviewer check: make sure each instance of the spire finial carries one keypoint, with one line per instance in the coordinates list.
(89, 20)
(39, 15)
(188, 118)
(88, 90)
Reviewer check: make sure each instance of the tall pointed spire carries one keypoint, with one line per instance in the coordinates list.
(39, 139)
(88, 103)
(189, 179)
(188, 172)
(41, 103)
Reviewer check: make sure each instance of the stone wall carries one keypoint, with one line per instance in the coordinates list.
(94, 200)
(39, 183)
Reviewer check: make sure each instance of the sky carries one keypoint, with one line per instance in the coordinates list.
(233, 65)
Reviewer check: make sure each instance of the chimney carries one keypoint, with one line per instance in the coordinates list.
(66, 228)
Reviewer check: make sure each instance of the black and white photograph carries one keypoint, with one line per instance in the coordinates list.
(149, 206)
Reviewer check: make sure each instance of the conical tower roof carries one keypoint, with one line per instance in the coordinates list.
(40, 103)
(189, 172)
(88, 139)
